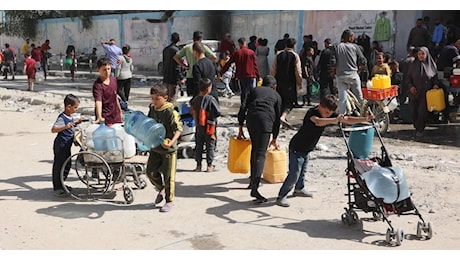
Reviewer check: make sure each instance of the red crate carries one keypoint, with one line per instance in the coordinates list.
(455, 81)
(380, 94)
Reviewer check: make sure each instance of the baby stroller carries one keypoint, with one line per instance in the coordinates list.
(375, 185)
(93, 175)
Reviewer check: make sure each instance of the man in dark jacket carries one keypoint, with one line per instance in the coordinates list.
(286, 68)
(172, 71)
(326, 80)
(262, 115)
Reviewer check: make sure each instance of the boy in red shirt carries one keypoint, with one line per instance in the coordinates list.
(30, 70)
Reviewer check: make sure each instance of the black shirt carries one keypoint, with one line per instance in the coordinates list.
(263, 110)
(171, 69)
(307, 137)
(204, 68)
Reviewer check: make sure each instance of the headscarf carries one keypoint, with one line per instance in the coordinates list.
(428, 65)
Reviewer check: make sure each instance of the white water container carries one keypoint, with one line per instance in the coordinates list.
(88, 136)
(129, 142)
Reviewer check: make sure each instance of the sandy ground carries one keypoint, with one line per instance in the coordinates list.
(213, 211)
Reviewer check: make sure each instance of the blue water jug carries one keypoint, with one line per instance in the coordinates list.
(105, 138)
(145, 129)
(360, 141)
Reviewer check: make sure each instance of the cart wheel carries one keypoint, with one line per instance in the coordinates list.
(429, 230)
(188, 152)
(419, 229)
(382, 119)
(85, 175)
(344, 218)
(141, 184)
(399, 236)
(388, 236)
(128, 194)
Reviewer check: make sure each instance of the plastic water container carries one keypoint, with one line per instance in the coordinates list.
(360, 141)
(88, 136)
(275, 168)
(381, 82)
(188, 129)
(183, 105)
(105, 138)
(435, 100)
(145, 129)
(129, 142)
(239, 155)
(383, 183)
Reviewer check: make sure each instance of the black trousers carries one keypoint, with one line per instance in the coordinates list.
(259, 145)
(61, 153)
(124, 87)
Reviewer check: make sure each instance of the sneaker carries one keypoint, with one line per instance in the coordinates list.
(283, 202)
(60, 193)
(167, 207)
(160, 197)
(231, 95)
(303, 193)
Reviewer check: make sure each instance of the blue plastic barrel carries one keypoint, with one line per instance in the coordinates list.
(360, 141)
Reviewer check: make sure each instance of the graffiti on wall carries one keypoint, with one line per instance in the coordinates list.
(146, 40)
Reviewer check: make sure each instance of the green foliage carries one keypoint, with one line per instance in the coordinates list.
(22, 23)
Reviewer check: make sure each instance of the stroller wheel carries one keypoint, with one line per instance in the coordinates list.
(399, 236)
(388, 236)
(345, 218)
(354, 216)
(429, 230)
(419, 229)
(377, 216)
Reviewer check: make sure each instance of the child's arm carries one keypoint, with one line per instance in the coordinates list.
(319, 121)
(57, 129)
(169, 142)
(355, 120)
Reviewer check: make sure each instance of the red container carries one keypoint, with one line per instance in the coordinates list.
(455, 81)
(380, 94)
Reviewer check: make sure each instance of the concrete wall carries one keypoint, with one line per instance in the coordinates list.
(147, 40)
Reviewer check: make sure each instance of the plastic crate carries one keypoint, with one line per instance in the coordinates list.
(380, 94)
(455, 81)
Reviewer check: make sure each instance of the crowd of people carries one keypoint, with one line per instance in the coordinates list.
(263, 110)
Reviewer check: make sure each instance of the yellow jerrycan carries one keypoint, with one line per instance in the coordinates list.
(239, 155)
(435, 100)
(275, 168)
(381, 82)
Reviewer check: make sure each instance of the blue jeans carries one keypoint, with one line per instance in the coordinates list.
(296, 176)
(345, 82)
(246, 85)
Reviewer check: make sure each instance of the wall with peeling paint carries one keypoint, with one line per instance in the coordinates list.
(147, 40)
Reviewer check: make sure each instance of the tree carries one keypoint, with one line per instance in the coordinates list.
(22, 23)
